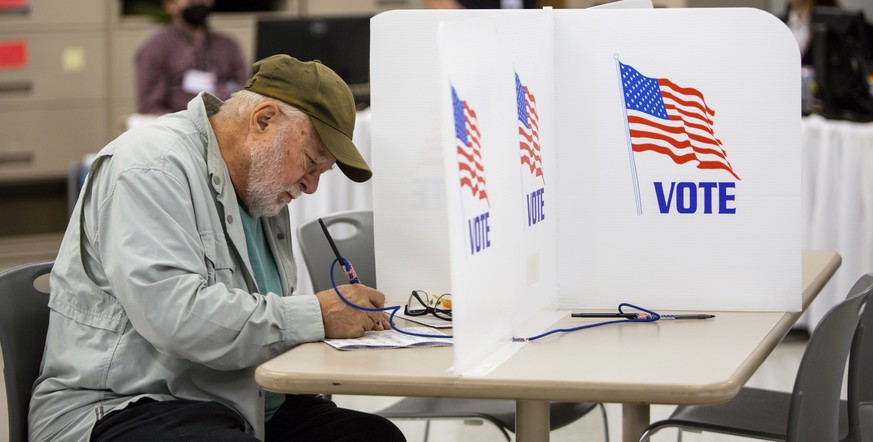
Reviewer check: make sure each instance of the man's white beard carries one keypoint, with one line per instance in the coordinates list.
(265, 196)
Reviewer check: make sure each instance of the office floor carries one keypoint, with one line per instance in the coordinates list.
(777, 372)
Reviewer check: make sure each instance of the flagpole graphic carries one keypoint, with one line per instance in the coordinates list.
(630, 150)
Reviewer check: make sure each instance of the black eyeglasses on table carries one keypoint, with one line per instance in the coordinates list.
(419, 304)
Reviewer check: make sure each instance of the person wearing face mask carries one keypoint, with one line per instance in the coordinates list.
(185, 58)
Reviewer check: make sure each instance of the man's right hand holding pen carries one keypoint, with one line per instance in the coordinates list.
(344, 321)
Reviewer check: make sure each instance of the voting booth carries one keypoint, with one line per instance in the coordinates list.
(530, 160)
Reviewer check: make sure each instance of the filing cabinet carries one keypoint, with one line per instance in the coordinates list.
(41, 140)
(53, 110)
(53, 94)
(53, 15)
(60, 66)
(70, 86)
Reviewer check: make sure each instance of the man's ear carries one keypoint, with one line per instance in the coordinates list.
(265, 114)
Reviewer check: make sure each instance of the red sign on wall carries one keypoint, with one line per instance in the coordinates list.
(13, 54)
(12, 4)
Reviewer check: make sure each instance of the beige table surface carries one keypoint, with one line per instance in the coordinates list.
(667, 362)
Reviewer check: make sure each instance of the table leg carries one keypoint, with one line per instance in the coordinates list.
(634, 419)
(531, 421)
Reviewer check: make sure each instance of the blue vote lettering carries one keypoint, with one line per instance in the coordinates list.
(690, 197)
(535, 203)
(479, 233)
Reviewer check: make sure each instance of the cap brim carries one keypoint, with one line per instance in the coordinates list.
(349, 160)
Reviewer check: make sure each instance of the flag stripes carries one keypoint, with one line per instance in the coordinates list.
(671, 120)
(528, 129)
(467, 135)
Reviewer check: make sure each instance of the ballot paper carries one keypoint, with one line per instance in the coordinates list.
(392, 339)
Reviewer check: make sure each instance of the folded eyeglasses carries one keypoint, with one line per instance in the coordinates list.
(420, 304)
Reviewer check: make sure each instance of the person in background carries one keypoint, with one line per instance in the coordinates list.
(185, 58)
(798, 17)
(175, 277)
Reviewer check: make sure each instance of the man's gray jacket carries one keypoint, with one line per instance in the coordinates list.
(152, 293)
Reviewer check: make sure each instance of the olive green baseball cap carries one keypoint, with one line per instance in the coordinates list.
(319, 92)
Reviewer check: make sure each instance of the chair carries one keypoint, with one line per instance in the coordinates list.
(24, 317)
(358, 247)
(858, 411)
(352, 231)
(812, 411)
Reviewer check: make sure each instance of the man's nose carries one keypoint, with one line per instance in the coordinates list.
(309, 182)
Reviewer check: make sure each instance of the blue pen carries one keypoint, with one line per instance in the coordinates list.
(351, 276)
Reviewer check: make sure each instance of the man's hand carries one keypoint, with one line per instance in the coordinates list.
(344, 321)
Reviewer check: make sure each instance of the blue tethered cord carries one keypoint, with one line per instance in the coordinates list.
(393, 309)
(645, 316)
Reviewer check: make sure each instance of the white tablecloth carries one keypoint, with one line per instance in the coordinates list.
(335, 193)
(837, 205)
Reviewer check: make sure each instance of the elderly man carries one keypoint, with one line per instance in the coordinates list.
(174, 278)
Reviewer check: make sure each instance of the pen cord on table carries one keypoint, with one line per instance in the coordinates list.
(393, 309)
(646, 316)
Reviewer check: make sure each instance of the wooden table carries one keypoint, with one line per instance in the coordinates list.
(667, 362)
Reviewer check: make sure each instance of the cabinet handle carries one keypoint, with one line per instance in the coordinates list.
(16, 86)
(16, 157)
(23, 10)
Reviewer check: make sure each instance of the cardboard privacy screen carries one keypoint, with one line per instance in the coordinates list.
(525, 160)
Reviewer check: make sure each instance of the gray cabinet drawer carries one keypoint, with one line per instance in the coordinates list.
(54, 12)
(59, 66)
(42, 142)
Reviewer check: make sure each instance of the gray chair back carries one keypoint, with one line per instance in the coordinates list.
(352, 232)
(860, 378)
(24, 316)
(814, 415)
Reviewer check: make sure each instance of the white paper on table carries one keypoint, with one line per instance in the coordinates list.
(392, 339)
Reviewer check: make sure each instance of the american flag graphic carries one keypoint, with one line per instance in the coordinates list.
(671, 120)
(472, 172)
(528, 129)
